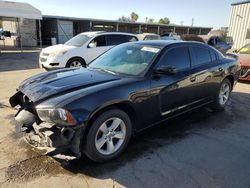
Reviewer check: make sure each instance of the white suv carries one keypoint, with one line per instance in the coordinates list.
(81, 49)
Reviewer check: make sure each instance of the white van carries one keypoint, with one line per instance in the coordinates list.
(81, 49)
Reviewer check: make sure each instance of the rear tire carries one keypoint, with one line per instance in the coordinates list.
(75, 62)
(223, 95)
(108, 136)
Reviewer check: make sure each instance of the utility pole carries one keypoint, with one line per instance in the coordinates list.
(192, 22)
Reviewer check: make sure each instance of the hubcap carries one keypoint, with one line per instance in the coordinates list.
(224, 93)
(110, 136)
(75, 64)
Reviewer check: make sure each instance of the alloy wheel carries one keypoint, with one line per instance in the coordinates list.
(110, 136)
(75, 64)
(224, 93)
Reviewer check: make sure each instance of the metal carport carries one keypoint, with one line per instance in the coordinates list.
(16, 10)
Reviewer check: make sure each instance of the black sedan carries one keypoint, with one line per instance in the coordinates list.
(95, 110)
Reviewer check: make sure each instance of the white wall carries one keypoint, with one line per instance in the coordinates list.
(239, 23)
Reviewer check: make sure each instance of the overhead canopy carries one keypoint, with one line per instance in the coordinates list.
(19, 10)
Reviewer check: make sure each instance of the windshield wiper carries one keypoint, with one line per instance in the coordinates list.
(109, 71)
(103, 70)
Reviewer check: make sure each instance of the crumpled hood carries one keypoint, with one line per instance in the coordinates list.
(244, 59)
(57, 48)
(58, 82)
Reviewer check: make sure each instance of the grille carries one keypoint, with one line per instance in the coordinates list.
(244, 70)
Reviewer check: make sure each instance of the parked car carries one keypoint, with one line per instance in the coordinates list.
(81, 49)
(170, 36)
(148, 36)
(95, 110)
(192, 37)
(244, 58)
(217, 42)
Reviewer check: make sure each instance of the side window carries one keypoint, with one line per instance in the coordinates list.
(115, 39)
(147, 38)
(177, 57)
(201, 56)
(213, 56)
(99, 41)
(130, 38)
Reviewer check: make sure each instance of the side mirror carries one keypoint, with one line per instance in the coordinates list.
(92, 44)
(165, 70)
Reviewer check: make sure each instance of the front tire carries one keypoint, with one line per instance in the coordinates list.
(108, 136)
(223, 95)
(75, 62)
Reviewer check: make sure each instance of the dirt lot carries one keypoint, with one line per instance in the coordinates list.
(199, 149)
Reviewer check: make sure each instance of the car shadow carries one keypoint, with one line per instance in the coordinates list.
(19, 61)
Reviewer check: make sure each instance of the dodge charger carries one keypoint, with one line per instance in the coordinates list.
(95, 110)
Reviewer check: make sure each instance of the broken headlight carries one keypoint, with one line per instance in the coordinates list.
(58, 116)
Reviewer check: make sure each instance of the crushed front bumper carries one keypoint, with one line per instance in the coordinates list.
(56, 141)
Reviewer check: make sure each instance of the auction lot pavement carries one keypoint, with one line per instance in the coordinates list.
(200, 149)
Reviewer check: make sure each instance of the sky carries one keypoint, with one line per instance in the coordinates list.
(207, 13)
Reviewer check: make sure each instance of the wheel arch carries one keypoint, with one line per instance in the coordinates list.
(124, 106)
(231, 79)
(76, 57)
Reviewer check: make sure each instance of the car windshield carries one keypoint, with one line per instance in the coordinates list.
(245, 49)
(78, 40)
(129, 59)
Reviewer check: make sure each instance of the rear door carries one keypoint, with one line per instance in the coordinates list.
(204, 70)
(173, 91)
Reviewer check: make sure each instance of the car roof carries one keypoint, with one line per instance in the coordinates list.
(91, 33)
(95, 33)
(164, 43)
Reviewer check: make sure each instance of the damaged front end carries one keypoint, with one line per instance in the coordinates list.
(51, 131)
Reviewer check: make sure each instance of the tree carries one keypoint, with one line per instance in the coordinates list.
(151, 20)
(164, 21)
(124, 19)
(134, 17)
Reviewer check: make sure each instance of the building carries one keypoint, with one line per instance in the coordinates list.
(64, 28)
(239, 26)
(22, 20)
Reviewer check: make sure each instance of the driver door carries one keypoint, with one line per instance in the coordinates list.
(96, 47)
(173, 92)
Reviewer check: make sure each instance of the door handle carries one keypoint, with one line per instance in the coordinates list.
(192, 79)
(221, 69)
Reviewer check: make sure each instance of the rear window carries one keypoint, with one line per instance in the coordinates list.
(201, 56)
